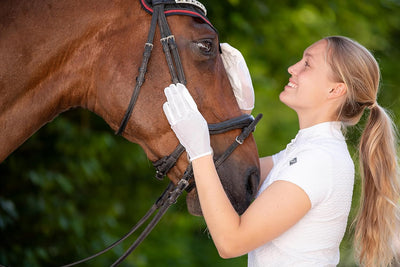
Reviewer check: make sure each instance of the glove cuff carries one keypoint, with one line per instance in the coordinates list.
(201, 155)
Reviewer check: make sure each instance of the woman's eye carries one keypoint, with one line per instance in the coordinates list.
(205, 46)
(306, 64)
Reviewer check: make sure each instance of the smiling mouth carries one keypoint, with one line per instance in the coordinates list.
(292, 85)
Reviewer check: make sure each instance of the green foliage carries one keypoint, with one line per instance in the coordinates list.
(73, 188)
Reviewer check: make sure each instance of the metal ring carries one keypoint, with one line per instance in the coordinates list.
(183, 182)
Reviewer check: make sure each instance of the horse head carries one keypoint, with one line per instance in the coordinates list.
(198, 46)
(92, 63)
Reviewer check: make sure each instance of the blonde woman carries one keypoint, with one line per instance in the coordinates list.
(300, 214)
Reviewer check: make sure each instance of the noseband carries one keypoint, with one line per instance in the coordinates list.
(159, 10)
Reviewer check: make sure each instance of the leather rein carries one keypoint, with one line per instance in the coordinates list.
(245, 122)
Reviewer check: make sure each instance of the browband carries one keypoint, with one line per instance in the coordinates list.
(191, 8)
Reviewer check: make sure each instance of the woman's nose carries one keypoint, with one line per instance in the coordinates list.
(291, 69)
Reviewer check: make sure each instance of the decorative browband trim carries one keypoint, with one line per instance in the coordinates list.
(191, 8)
(193, 2)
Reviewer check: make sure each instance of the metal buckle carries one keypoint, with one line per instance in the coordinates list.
(238, 140)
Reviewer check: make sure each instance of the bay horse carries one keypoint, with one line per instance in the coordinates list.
(58, 55)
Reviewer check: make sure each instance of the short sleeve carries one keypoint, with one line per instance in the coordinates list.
(311, 170)
(276, 157)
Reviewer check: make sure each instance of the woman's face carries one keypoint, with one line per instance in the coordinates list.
(310, 81)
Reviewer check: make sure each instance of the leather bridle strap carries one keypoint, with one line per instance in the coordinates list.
(171, 195)
(169, 47)
(159, 203)
(166, 163)
(167, 198)
(142, 72)
(246, 131)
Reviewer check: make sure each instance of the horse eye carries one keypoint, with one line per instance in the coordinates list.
(205, 46)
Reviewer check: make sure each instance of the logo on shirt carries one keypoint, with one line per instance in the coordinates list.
(292, 161)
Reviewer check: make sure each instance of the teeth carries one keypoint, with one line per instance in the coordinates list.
(292, 85)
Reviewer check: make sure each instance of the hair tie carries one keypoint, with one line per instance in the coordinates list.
(375, 104)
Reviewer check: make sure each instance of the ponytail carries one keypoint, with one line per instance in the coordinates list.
(377, 222)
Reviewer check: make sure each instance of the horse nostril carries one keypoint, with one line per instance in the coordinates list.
(253, 180)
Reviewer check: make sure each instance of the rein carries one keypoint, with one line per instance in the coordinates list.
(245, 122)
(171, 194)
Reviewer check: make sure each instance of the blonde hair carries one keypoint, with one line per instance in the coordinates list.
(377, 221)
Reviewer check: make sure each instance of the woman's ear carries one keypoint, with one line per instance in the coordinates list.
(339, 90)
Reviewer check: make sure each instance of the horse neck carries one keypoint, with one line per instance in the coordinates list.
(48, 63)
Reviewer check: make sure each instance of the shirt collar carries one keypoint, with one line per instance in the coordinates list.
(324, 129)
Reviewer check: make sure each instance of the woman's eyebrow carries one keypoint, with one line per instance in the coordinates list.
(308, 55)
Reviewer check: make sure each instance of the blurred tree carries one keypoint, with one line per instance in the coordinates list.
(74, 188)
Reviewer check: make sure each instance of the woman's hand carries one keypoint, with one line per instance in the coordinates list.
(239, 76)
(277, 208)
(186, 121)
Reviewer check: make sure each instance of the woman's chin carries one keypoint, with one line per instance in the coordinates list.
(283, 97)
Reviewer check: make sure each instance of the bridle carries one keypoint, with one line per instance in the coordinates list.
(159, 10)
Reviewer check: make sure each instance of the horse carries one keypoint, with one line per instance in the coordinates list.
(58, 55)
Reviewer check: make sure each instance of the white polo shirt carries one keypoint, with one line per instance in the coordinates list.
(317, 161)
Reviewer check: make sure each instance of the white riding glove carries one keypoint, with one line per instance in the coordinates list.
(186, 121)
(239, 76)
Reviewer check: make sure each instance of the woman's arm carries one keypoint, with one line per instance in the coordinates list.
(274, 211)
(278, 208)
